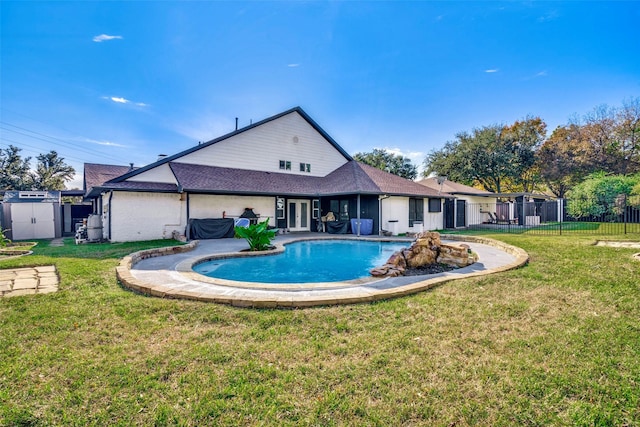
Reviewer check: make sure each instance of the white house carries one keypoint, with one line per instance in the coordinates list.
(285, 168)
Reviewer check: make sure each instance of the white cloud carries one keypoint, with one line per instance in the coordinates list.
(104, 143)
(104, 37)
(293, 65)
(542, 73)
(492, 70)
(122, 100)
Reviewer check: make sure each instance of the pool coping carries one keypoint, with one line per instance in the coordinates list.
(285, 298)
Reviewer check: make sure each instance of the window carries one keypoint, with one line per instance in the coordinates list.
(435, 205)
(316, 209)
(285, 165)
(416, 211)
(305, 167)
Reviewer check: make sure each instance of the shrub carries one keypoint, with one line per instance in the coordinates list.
(258, 235)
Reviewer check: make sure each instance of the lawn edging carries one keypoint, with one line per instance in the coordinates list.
(306, 299)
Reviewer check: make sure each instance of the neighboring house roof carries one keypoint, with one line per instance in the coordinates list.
(298, 110)
(452, 187)
(96, 174)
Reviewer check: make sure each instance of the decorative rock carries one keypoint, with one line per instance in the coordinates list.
(427, 249)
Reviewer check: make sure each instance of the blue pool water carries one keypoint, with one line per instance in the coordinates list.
(303, 262)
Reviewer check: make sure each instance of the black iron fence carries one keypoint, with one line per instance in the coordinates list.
(554, 217)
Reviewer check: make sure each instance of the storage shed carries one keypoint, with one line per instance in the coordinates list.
(31, 215)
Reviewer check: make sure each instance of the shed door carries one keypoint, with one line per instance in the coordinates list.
(32, 221)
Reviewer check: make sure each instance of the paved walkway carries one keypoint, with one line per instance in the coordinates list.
(171, 276)
(28, 281)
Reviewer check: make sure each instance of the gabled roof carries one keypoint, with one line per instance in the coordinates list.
(96, 174)
(452, 187)
(298, 110)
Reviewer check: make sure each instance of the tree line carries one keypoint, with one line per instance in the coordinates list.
(519, 157)
(50, 173)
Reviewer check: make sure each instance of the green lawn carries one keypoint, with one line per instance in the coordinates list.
(554, 343)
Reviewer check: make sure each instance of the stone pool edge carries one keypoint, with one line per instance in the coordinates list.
(126, 278)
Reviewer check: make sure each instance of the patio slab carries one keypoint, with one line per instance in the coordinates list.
(28, 281)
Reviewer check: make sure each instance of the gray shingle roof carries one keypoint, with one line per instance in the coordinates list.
(350, 178)
(96, 174)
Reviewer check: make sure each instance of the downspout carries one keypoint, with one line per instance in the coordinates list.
(110, 211)
(188, 201)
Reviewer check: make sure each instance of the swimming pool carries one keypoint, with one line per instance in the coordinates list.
(305, 262)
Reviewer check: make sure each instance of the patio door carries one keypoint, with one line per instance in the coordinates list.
(298, 219)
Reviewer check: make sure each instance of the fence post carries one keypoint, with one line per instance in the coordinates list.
(625, 214)
(561, 213)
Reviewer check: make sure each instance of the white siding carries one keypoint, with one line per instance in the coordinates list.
(262, 147)
(144, 216)
(160, 173)
(397, 208)
(433, 220)
(209, 206)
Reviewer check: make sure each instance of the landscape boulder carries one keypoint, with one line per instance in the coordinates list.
(427, 249)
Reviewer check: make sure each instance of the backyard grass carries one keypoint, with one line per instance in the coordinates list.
(554, 343)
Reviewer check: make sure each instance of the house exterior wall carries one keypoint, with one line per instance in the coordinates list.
(143, 216)
(262, 148)
(397, 208)
(212, 206)
(160, 173)
(433, 220)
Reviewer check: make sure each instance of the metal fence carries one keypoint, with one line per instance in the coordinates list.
(553, 217)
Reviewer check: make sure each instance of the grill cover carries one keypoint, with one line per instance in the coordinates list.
(210, 228)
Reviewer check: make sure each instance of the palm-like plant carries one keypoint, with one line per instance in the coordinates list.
(258, 235)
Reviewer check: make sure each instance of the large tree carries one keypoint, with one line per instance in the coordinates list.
(564, 159)
(386, 161)
(498, 157)
(627, 133)
(14, 170)
(51, 172)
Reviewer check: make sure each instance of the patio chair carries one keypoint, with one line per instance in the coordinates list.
(492, 219)
(242, 222)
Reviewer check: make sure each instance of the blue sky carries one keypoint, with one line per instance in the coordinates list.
(121, 82)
